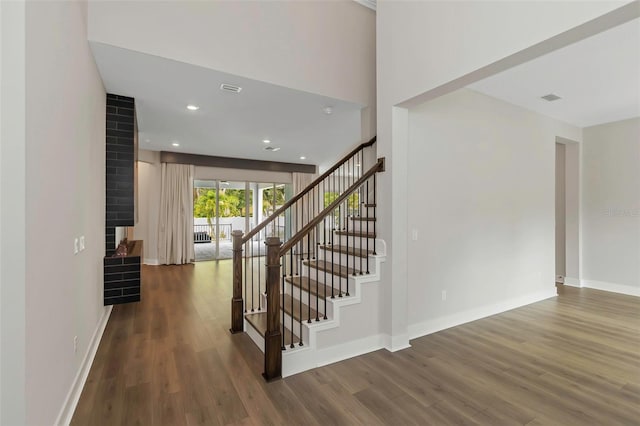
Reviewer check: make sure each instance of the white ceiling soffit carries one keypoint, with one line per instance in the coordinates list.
(597, 79)
(371, 4)
(226, 124)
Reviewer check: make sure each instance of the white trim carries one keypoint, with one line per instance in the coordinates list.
(571, 281)
(371, 4)
(305, 358)
(612, 287)
(151, 261)
(442, 323)
(257, 338)
(397, 343)
(73, 396)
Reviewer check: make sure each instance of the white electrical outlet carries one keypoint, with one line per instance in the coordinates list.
(81, 242)
(444, 294)
(75, 246)
(75, 344)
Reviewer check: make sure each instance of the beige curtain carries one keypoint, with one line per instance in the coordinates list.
(175, 227)
(301, 181)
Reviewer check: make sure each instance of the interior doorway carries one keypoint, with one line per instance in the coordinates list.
(561, 240)
(567, 189)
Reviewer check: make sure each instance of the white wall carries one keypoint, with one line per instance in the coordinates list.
(12, 213)
(420, 47)
(611, 206)
(322, 47)
(65, 198)
(481, 175)
(149, 178)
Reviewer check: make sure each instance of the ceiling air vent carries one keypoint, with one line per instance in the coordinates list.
(230, 88)
(551, 97)
(271, 148)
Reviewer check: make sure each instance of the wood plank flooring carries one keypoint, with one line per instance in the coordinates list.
(170, 360)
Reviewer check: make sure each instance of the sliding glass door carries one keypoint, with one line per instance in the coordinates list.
(223, 206)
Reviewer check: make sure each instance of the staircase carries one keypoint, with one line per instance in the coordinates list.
(303, 303)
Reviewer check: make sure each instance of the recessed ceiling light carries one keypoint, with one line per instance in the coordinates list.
(551, 97)
(175, 144)
(303, 157)
(266, 141)
(327, 110)
(193, 107)
(230, 88)
(271, 148)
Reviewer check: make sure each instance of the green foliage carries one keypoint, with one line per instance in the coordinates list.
(353, 199)
(232, 203)
(267, 200)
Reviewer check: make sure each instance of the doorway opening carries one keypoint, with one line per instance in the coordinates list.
(567, 212)
(220, 207)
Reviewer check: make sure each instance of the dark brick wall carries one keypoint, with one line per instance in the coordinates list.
(120, 164)
(121, 280)
(121, 274)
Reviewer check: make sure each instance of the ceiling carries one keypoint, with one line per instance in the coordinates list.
(227, 124)
(598, 79)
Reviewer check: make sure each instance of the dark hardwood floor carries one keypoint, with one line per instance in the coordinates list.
(170, 360)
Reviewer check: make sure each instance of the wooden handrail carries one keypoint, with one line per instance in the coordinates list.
(379, 166)
(289, 203)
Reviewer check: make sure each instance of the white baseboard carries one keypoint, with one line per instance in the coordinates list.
(437, 324)
(73, 396)
(151, 262)
(303, 359)
(573, 282)
(397, 342)
(348, 350)
(612, 287)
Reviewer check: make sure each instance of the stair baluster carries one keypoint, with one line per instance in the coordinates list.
(328, 204)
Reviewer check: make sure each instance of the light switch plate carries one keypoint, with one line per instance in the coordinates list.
(81, 242)
(75, 246)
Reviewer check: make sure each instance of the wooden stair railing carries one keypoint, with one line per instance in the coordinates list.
(276, 279)
(248, 250)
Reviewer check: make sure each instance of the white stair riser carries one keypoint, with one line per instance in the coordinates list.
(295, 327)
(343, 258)
(361, 225)
(357, 242)
(307, 298)
(327, 278)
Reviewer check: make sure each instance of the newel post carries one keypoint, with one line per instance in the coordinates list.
(273, 336)
(237, 320)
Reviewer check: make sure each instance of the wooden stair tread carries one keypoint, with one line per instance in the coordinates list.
(343, 249)
(259, 322)
(351, 233)
(300, 313)
(323, 265)
(363, 219)
(316, 287)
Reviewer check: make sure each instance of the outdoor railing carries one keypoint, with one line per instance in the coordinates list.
(207, 233)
